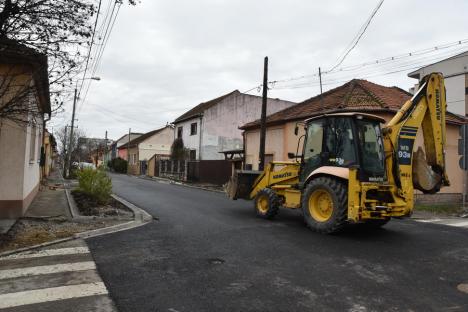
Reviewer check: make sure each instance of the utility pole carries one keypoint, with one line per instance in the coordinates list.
(65, 152)
(128, 146)
(321, 97)
(320, 78)
(261, 164)
(105, 151)
(71, 134)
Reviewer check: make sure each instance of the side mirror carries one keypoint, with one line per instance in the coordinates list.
(296, 130)
(291, 155)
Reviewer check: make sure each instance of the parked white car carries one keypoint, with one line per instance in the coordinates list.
(84, 165)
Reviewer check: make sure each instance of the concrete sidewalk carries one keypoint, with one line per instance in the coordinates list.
(50, 202)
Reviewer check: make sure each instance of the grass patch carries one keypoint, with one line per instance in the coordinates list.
(440, 209)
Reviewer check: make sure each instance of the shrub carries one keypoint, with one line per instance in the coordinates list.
(96, 184)
(118, 165)
(178, 150)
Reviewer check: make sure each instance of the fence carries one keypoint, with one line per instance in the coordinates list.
(173, 169)
(200, 171)
(209, 171)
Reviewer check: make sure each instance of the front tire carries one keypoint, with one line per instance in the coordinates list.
(266, 204)
(325, 205)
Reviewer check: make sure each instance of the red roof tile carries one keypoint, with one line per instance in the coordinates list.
(355, 95)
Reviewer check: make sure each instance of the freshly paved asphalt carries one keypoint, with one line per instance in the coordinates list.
(207, 253)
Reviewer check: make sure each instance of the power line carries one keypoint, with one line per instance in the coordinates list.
(107, 34)
(414, 57)
(358, 37)
(90, 47)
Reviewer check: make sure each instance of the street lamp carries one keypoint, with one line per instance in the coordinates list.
(73, 121)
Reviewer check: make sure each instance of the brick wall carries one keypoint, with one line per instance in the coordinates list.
(439, 198)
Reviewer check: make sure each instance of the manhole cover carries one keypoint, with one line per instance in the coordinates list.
(216, 261)
(463, 288)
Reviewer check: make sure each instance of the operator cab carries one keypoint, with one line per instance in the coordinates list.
(344, 140)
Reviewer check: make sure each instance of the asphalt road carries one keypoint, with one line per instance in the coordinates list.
(207, 253)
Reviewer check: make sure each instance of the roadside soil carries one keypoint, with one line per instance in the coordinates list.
(89, 207)
(433, 211)
(33, 231)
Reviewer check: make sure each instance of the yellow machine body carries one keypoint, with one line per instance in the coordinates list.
(405, 170)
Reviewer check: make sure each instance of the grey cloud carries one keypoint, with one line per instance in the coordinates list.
(167, 56)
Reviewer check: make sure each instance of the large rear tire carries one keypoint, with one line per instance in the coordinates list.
(325, 205)
(266, 204)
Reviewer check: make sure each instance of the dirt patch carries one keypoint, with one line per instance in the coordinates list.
(439, 210)
(30, 232)
(89, 206)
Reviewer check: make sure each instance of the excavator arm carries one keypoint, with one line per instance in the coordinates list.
(423, 171)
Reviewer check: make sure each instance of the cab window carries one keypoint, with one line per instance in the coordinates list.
(340, 144)
(313, 146)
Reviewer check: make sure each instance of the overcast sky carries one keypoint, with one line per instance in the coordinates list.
(165, 57)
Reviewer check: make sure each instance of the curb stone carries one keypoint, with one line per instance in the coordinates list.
(140, 216)
(169, 181)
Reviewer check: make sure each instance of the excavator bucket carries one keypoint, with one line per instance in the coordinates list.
(425, 178)
(241, 183)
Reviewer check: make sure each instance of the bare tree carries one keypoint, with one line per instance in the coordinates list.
(58, 30)
(63, 141)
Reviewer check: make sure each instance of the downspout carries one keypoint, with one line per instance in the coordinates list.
(200, 141)
(42, 159)
(245, 150)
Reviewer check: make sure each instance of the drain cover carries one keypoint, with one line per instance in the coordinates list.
(216, 261)
(463, 288)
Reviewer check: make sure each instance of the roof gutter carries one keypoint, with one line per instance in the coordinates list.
(187, 118)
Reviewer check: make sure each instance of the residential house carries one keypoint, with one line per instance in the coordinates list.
(49, 154)
(212, 127)
(24, 101)
(455, 71)
(357, 96)
(122, 153)
(144, 147)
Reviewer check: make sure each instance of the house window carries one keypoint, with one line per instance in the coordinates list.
(193, 154)
(133, 159)
(179, 132)
(32, 145)
(193, 128)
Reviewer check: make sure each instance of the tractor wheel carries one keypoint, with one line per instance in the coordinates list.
(325, 205)
(374, 224)
(266, 204)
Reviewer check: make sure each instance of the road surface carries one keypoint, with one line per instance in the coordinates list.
(207, 253)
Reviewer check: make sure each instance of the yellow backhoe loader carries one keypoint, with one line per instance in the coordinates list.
(353, 171)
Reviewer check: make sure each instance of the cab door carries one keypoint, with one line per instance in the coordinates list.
(313, 148)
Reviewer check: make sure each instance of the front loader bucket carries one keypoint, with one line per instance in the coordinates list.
(241, 183)
(425, 178)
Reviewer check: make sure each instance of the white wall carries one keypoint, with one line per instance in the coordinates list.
(220, 126)
(160, 143)
(190, 141)
(454, 70)
(455, 87)
(12, 161)
(31, 167)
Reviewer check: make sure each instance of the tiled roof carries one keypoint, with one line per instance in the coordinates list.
(355, 95)
(131, 133)
(141, 138)
(200, 108)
